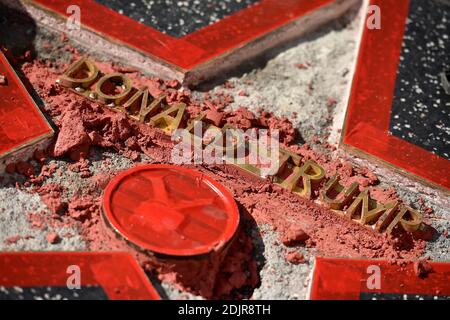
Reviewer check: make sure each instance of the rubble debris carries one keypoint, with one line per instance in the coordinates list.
(295, 257)
(294, 236)
(109, 129)
(24, 168)
(305, 65)
(51, 196)
(52, 238)
(12, 239)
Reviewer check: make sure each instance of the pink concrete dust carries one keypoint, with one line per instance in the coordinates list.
(83, 124)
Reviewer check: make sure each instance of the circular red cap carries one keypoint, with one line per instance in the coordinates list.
(170, 210)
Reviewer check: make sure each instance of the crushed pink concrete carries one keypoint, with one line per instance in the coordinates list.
(52, 238)
(84, 123)
(24, 168)
(295, 257)
(37, 220)
(12, 239)
(294, 235)
(51, 196)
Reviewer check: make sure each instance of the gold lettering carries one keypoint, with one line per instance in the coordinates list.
(309, 173)
(110, 82)
(367, 211)
(166, 121)
(409, 219)
(288, 160)
(191, 123)
(138, 106)
(247, 153)
(341, 196)
(82, 73)
(115, 89)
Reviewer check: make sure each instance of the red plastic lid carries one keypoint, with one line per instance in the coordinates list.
(170, 210)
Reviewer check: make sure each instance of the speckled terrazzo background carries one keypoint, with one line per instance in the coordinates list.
(174, 17)
(399, 296)
(421, 108)
(53, 293)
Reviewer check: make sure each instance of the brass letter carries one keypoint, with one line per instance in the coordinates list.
(408, 218)
(113, 79)
(310, 171)
(166, 121)
(140, 111)
(361, 205)
(71, 78)
(343, 196)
